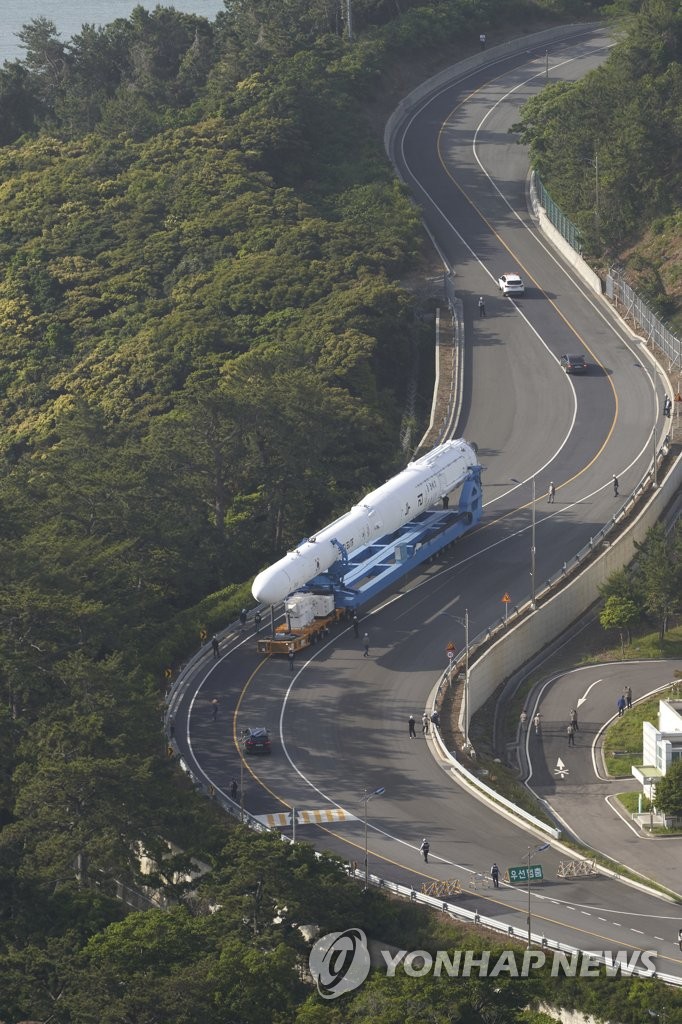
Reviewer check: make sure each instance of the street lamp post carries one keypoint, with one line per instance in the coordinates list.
(466, 678)
(465, 703)
(532, 539)
(366, 798)
(531, 850)
(532, 552)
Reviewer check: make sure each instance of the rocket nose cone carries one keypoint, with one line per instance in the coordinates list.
(271, 585)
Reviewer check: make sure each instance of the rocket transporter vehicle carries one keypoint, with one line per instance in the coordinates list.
(418, 488)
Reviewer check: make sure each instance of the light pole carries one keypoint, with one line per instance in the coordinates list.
(531, 850)
(366, 799)
(532, 539)
(466, 678)
(464, 622)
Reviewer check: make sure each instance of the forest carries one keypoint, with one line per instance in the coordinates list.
(609, 150)
(205, 350)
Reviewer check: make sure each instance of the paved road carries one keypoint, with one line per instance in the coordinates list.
(339, 722)
(578, 790)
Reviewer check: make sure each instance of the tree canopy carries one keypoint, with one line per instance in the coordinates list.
(205, 352)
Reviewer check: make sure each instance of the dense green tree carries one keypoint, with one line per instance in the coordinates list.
(669, 791)
(659, 568)
(621, 614)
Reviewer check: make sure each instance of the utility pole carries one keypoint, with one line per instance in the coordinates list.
(532, 552)
(466, 678)
(596, 193)
(349, 19)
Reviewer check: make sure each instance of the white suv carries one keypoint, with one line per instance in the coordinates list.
(511, 284)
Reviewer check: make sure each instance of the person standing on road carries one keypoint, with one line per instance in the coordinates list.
(551, 491)
(537, 722)
(291, 659)
(410, 727)
(425, 724)
(425, 847)
(574, 719)
(234, 789)
(615, 486)
(628, 697)
(523, 718)
(621, 705)
(482, 40)
(495, 875)
(257, 619)
(570, 732)
(435, 718)
(215, 644)
(356, 624)
(365, 641)
(214, 706)
(481, 306)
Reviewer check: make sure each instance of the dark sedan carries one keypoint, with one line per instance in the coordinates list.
(256, 741)
(574, 364)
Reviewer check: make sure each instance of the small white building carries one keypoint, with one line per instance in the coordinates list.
(660, 746)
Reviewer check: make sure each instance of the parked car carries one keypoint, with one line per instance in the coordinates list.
(511, 284)
(256, 741)
(574, 364)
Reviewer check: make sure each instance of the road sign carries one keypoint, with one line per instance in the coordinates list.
(520, 874)
(451, 655)
(506, 598)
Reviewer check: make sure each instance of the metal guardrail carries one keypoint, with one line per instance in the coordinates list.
(633, 307)
(495, 925)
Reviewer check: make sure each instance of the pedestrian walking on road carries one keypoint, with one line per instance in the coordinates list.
(628, 697)
(570, 731)
(482, 40)
(551, 492)
(215, 644)
(410, 727)
(291, 656)
(574, 719)
(214, 706)
(425, 724)
(435, 718)
(481, 306)
(537, 722)
(621, 704)
(495, 875)
(257, 619)
(425, 847)
(234, 789)
(523, 718)
(365, 641)
(615, 486)
(356, 624)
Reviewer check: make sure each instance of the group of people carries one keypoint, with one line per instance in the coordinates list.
(551, 490)
(426, 721)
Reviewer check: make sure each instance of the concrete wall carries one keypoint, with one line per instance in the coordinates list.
(589, 276)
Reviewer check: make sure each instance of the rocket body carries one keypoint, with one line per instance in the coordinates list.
(417, 488)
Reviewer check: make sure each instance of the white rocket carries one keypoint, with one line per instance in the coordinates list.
(420, 486)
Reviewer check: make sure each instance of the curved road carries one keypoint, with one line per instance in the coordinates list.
(339, 721)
